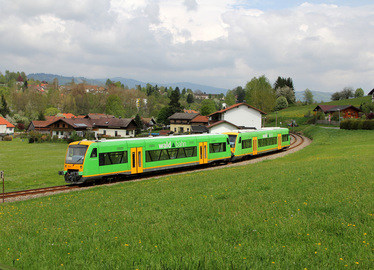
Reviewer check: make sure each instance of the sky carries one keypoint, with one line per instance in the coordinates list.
(323, 45)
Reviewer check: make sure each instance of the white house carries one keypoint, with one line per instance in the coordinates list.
(6, 128)
(238, 116)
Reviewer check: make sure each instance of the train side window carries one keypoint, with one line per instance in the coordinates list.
(133, 160)
(217, 147)
(247, 144)
(240, 140)
(94, 153)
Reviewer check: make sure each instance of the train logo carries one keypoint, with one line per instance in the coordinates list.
(171, 145)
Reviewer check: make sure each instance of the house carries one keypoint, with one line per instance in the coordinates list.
(181, 122)
(222, 126)
(199, 124)
(148, 123)
(114, 127)
(6, 128)
(371, 93)
(239, 115)
(345, 111)
(20, 81)
(64, 127)
(42, 126)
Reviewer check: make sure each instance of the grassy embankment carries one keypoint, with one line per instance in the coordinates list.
(311, 209)
(298, 112)
(28, 166)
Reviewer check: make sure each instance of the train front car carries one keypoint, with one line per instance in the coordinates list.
(74, 162)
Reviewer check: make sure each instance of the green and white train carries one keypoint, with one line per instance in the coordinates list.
(90, 161)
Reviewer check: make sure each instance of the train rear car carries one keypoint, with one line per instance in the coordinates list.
(245, 143)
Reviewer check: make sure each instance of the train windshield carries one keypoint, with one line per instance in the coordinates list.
(232, 139)
(75, 154)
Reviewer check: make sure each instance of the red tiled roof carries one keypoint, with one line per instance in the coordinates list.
(200, 119)
(325, 108)
(3, 121)
(235, 106)
(52, 118)
(68, 115)
(190, 111)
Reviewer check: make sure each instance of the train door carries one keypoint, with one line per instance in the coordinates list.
(279, 141)
(203, 152)
(136, 160)
(254, 145)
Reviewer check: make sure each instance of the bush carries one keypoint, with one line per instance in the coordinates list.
(357, 124)
(368, 124)
(34, 137)
(8, 138)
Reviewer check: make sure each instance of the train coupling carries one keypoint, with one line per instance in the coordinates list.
(61, 173)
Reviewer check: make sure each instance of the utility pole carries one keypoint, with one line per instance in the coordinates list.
(2, 177)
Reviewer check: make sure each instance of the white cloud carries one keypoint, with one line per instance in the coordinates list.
(214, 42)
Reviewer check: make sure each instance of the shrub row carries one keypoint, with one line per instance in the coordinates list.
(7, 138)
(357, 124)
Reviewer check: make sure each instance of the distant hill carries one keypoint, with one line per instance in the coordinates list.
(131, 83)
(62, 80)
(317, 96)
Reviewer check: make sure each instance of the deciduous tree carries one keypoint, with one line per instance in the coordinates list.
(260, 94)
(308, 96)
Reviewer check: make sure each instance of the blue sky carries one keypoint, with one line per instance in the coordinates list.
(322, 45)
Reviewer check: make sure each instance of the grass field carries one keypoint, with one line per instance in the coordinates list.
(34, 165)
(298, 112)
(309, 210)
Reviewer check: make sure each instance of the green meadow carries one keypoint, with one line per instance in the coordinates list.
(312, 209)
(28, 166)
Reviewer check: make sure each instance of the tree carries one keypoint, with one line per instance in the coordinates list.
(114, 106)
(347, 93)
(4, 110)
(286, 92)
(230, 98)
(163, 115)
(282, 82)
(359, 92)
(174, 103)
(308, 96)
(281, 103)
(51, 111)
(260, 94)
(240, 94)
(190, 98)
(336, 96)
(207, 107)
(139, 124)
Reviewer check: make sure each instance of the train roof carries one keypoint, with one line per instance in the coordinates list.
(149, 138)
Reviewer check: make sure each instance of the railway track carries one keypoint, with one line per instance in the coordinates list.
(296, 141)
(30, 192)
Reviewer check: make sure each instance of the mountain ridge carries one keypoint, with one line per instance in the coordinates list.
(131, 83)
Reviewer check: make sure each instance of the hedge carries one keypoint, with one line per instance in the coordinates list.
(357, 124)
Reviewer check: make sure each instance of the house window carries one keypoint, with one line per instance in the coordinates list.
(127, 132)
(104, 132)
(175, 129)
(116, 133)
